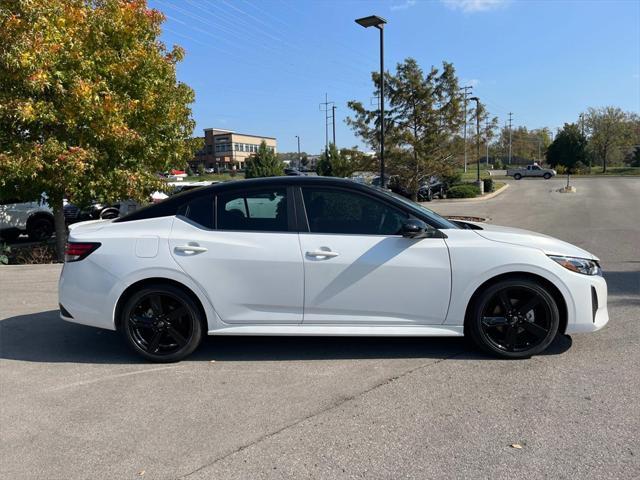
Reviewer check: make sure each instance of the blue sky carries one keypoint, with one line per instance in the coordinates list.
(263, 66)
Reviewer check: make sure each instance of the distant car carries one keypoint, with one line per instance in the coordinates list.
(95, 211)
(322, 256)
(531, 171)
(292, 172)
(209, 170)
(33, 218)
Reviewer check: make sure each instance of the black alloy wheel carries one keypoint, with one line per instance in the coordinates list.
(515, 319)
(162, 323)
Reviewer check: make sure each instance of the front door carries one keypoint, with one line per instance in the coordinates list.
(246, 258)
(358, 268)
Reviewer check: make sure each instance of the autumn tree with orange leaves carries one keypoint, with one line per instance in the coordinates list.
(90, 107)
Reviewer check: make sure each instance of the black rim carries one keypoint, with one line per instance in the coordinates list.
(160, 324)
(516, 319)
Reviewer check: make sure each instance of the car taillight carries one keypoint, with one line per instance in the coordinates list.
(76, 251)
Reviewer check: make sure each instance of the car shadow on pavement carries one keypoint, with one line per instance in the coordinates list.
(44, 337)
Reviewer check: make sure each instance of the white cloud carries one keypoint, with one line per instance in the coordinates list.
(470, 6)
(403, 6)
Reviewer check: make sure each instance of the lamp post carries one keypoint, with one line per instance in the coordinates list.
(478, 182)
(378, 22)
(299, 159)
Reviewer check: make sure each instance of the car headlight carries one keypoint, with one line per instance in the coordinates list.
(578, 265)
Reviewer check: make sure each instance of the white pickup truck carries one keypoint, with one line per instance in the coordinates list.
(534, 170)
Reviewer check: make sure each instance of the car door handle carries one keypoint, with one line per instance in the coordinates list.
(322, 253)
(190, 249)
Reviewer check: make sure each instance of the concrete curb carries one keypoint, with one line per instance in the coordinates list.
(488, 196)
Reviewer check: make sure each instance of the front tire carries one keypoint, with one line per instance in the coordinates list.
(514, 318)
(161, 323)
(547, 176)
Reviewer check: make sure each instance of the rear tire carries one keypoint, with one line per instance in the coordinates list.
(513, 318)
(517, 176)
(162, 323)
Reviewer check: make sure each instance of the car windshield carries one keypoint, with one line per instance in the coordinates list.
(437, 219)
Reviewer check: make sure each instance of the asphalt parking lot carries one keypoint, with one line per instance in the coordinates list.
(76, 404)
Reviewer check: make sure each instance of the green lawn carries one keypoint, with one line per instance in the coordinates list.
(633, 171)
(221, 177)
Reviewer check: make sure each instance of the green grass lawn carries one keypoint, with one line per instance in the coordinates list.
(211, 177)
(633, 171)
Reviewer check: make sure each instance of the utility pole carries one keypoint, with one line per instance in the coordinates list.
(466, 90)
(510, 124)
(324, 107)
(479, 183)
(299, 157)
(486, 140)
(333, 117)
(582, 123)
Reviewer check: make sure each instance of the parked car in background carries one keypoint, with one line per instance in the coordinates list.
(95, 211)
(33, 218)
(322, 256)
(534, 170)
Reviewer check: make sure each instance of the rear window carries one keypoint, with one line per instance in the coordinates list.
(199, 210)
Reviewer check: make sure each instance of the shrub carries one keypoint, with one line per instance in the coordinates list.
(488, 185)
(498, 165)
(466, 190)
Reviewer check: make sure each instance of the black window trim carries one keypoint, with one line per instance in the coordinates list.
(303, 220)
(291, 216)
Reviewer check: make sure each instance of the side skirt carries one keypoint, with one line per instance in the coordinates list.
(343, 331)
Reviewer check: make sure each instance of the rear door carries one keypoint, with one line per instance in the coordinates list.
(246, 256)
(359, 270)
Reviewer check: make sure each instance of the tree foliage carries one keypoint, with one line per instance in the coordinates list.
(610, 129)
(90, 107)
(568, 149)
(343, 163)
(423, 116)
(264, 163)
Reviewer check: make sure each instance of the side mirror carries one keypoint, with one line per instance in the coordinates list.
(414, 228)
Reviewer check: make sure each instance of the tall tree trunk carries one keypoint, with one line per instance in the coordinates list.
(60, 226)
(604, 161)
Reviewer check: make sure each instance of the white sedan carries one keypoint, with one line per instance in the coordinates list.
(322, 256)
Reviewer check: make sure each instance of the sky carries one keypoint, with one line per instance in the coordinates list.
(263, 66)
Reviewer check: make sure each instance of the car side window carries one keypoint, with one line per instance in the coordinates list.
(199, 210)
(343, 212)
(262, 210)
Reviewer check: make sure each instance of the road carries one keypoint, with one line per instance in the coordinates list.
(75, 404)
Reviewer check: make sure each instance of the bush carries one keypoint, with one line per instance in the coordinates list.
(498, 165)
(466, 190)
(488, 185)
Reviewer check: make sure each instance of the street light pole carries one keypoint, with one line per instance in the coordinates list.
(299, 158)
(378, 22)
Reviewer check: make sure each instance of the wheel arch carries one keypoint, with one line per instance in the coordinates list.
(134, 287)
(39, 214)
(549, 285)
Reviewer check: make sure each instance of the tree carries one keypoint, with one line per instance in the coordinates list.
(569, 149)
(342, 163)
(424, 114)
(609, 128)
(90, 108)
(192, 146)
(264, 163)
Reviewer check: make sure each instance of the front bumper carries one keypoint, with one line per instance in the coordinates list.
(590, 299)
